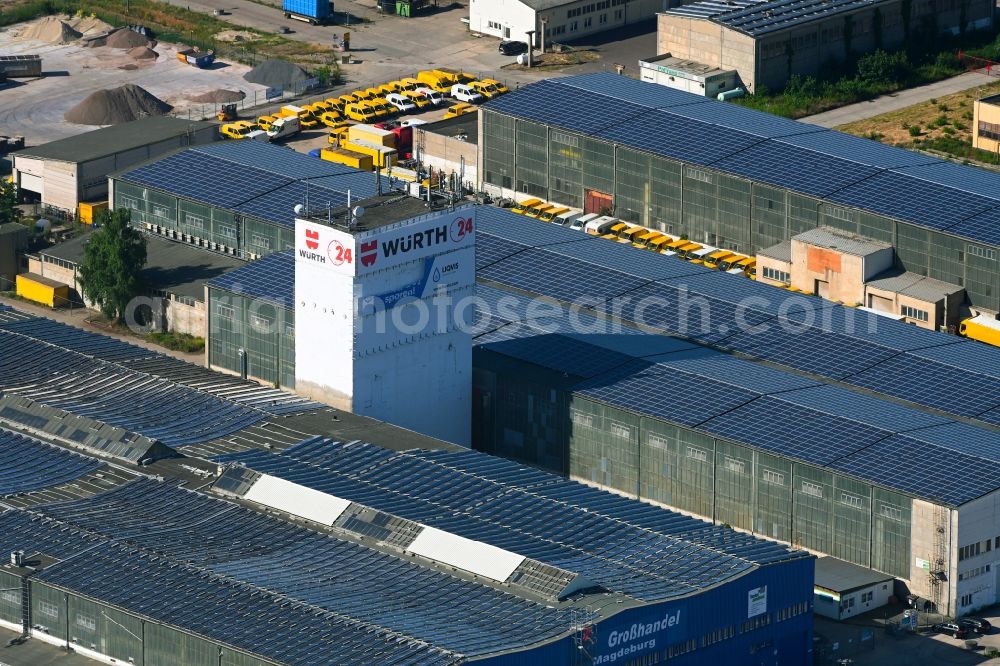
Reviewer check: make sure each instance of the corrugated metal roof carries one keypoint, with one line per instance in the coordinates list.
(782, 251)
(842, 241)
(841, 576)
(915, 285)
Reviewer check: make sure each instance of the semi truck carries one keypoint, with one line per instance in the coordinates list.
(314, 12)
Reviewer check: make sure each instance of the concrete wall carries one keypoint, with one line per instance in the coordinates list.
(773, 264)
(844, 274)
(189, 318)
(932, 546)
(892, 302)
(510, 19)
(986, 126)
(807, 49)
(977, 522)
(446, 152)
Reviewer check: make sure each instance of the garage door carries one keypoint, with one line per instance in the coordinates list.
(31, 182)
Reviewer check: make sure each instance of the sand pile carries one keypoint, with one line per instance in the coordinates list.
(276, 74)
(143, 53)
(218, 96)
(118, 105)
(126, 39)
(52, 30)
(89, 25)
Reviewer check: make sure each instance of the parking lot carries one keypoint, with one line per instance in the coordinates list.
(923, 648)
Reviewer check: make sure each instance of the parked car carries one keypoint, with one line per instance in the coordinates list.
(976, 624)
(432, 96)
(401, 102)
(412, 122)
(951, 629)
(512, 48)
(464, 93)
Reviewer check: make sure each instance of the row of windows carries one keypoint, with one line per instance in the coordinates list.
(989, 130)
(713, 637)
(973, 549)
(49, 259)
(776, 275)
(792, 611)
(973, 573)
(913, 313)
(757, 622)
(588, 9)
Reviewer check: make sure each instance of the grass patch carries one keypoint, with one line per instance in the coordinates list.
(171, 23)
(875, 74)
(924, 127)
(177, 341)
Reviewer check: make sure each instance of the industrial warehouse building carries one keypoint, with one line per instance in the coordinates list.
(769, 42)
(123, 550)
(65, 173)
(736, 178)
(235, 197)
(805, 440)
(836, 430)
(558, 20)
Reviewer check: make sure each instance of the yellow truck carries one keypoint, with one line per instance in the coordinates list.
(32, 287)
(381, 155)
(348, 157)
(979, 328)
(438, 80)
(306, 117)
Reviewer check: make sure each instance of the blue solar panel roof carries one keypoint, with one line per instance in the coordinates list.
(741, 118)
(276, 159)
(271, 278)
(895, 194)
(646, 265)
(279, 204)
(978, 182)
(547, 102)
(985, 227)
(677, 137)
(206, 178)
(781, 164)
(856, 149)
(863, 408)
(630, 90)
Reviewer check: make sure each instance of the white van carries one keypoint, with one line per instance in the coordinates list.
(568, 218)
(587, 219)
(464, 93)
(700, 254)
(433, 96)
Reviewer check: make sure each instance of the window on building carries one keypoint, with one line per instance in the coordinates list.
(989, 130)
(261, 241)
(966, 600)
(775, 478)
(776, 275)
(86, 622)
(814, 489)
(225, 311)
(194, 221)
(913, 313)
(227, 231)
(984, 252)
(49, 609)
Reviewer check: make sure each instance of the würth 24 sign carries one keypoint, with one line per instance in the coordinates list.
(376, 250)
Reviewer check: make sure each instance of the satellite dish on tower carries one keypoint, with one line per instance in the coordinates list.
(358, 212)
(298, 209)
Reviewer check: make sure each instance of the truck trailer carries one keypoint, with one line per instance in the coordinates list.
(315, 12)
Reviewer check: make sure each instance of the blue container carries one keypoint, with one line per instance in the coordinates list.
(317, 9)
(315, 153)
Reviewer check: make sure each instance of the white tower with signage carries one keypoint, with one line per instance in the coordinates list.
(383, 309)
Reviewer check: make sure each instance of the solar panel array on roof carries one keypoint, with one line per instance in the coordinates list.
(27, 464)
(253, 178)
(821, 424)
(217, 539)
(642, 551)
(131, 388)
(270, 278)
(862, 173)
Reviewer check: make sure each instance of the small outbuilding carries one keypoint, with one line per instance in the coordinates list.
(844, 590)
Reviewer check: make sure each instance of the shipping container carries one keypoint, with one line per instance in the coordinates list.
(372, 134)
(311, 11)
(40, 289)
(89, 210)
(350, 158)
(196, 57)
(21, 66)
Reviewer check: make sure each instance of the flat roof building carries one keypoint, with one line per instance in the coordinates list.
(62, 174)
(844, 590)
(687, 75)
(768, 42)
(452, 147)
(738, 179)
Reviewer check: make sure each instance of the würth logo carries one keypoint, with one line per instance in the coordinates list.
(312, 239)
(369, 253)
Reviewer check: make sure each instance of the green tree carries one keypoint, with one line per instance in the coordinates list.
(9, 212)
(111, 271)
(881, 67)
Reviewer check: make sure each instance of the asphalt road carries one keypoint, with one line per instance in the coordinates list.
(899, 100)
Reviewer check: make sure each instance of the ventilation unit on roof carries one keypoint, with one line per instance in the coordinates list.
(17, 558)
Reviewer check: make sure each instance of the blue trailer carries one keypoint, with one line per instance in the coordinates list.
(315, 12)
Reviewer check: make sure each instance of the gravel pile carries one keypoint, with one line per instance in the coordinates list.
(218, 96)
(276, 74)
(52, 30)
(126, 39)
(118, 105)
(142, 53)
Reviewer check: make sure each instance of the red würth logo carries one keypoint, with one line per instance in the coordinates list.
(369, 253)
(312, 239)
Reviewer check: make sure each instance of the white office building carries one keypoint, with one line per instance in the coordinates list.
(560, 20)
